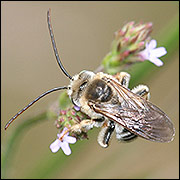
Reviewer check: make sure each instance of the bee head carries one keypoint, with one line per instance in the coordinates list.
(78, 84)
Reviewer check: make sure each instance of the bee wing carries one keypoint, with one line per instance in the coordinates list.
(137, 115)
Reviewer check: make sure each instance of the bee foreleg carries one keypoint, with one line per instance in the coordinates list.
(142, 91)
(123, 78)
(83, 126)
(105, 133)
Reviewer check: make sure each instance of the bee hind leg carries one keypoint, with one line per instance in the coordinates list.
(105, 133)
(123, 134)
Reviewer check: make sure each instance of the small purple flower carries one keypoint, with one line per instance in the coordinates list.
(77, 108)
(63, 144)
(152, 53)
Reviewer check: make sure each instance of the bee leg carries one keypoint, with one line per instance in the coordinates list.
(123, 134)
(142, 91)
(105, 133)
(83, 126)
(123, 78)
(79, 128)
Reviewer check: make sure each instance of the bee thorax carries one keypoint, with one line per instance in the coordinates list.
(98, 90)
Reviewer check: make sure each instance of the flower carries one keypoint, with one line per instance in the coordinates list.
(128, 42)
(152, 53)
(77, 108)
(62, 142)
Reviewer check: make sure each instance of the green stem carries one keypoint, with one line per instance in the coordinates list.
(14, 139)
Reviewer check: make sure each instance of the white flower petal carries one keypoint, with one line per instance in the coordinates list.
(158, 52)
(152, 44)
(156, 61)
(70, 139)
(65, 147)
(58, 135)
(144, 54)
(65, 129)
(55, 146)
(62, 133)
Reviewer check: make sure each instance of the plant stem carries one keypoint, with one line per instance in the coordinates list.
(14, 139)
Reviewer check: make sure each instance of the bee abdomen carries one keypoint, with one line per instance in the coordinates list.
(123, 134)
(99, 91)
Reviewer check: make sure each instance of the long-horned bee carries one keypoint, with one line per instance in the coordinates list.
(110, 105)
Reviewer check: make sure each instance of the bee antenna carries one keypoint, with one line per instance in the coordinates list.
(54, 45)
(31, 103)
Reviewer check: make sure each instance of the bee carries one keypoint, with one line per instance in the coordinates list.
(111, 105)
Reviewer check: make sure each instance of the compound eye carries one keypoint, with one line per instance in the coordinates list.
(82, 86)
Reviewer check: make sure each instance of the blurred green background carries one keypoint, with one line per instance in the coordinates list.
(83, 32)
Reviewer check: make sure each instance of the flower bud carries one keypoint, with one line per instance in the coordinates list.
(69, 117)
